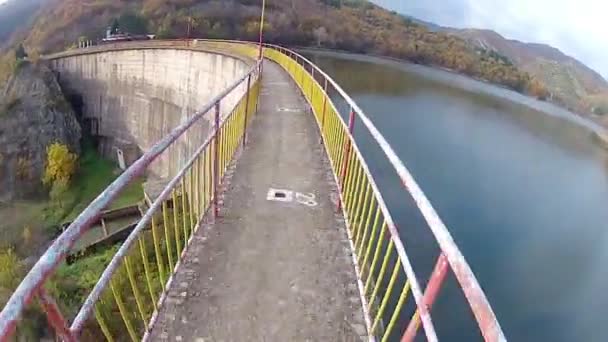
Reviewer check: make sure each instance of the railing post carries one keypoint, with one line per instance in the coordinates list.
(324, 105)
(312, 82)
(345, 163)
(216, 209)
(430, 294)
(304, 71)
(54, 316)
(246, 110)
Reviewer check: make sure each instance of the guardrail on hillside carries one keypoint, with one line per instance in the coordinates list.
(134, 281)
(384, 270)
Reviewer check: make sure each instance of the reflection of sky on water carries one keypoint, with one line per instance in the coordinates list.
(523, 193)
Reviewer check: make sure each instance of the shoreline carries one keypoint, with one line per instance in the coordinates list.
(479, 86)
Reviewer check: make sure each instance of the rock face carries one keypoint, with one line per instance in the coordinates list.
(33, 114)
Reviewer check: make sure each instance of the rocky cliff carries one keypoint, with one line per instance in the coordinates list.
(33, 114)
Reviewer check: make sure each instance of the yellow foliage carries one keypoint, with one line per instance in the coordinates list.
(7, 65)
(537, 89)
(10, 270)
(60, 164)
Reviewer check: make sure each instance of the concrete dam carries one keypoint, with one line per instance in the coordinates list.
(269, 225)
(133, 96)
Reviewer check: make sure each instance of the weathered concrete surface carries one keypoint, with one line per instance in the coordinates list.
(33, 115)
(268, 270)
(134, 94)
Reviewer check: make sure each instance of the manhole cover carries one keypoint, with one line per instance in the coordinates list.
(279, 195)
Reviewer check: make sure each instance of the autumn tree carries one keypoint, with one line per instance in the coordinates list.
(60, 164)
(537, 89)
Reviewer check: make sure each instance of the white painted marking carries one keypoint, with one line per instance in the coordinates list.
(290, 110)
(121, 159)
(307, 199)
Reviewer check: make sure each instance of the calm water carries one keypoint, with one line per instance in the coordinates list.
(524, 194)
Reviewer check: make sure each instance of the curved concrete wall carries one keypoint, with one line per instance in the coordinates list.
(136, 96)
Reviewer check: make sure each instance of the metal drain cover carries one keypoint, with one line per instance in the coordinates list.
(279, 195)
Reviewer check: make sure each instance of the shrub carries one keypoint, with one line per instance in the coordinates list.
(11, 271)
(60, 165)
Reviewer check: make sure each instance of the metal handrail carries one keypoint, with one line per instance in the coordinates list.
(355, 182)
(33, 283)
(450, 254)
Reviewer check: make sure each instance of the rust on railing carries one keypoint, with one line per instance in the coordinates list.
(386, 278)
(369, 220)
(148, 268)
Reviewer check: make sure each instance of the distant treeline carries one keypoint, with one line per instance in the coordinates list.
(351, 25)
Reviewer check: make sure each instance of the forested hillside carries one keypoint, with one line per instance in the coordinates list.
(15, 15)
(574, 84)
(352, 25)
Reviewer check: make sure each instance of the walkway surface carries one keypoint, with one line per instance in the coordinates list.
(270, 270)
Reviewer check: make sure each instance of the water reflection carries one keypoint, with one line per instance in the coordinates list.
(523, 193)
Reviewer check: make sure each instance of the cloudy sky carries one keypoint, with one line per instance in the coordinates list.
(577, 27)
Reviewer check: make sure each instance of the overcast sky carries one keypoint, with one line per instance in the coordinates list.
(577, 27)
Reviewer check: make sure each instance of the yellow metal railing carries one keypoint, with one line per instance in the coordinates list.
(386, 278)
(378, 265)
(138, 287)
(125, 297)
(132, 287)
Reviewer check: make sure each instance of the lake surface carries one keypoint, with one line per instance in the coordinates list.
(523, 192)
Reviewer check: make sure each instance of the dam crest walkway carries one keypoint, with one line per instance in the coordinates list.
(267, 223)
(269, 269)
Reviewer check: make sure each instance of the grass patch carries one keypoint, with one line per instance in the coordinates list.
(94, 175)
(71, 284)
(41, 217)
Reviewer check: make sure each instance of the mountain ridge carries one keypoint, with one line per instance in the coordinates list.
(572, 83)
(363, 27)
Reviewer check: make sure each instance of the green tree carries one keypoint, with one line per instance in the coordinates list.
(57, 196)
(114, 26)
(333, 3)
(601, 109)
(20, 52)
(133, 23)
(11, 272)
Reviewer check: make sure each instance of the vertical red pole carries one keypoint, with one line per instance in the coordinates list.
(345, 162)
(216, 209)
(54, 316)
(430, 294)
(246, 110)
